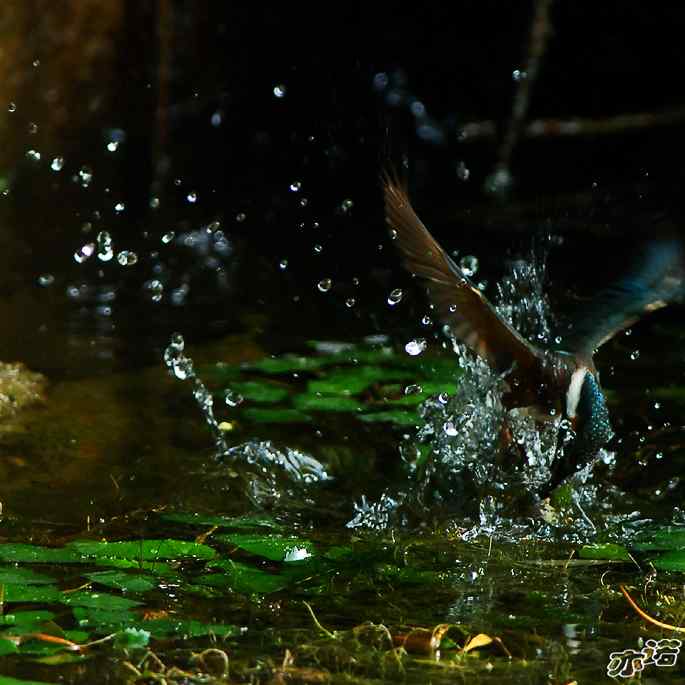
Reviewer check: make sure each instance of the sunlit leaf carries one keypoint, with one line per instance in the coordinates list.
(271, 545)
(244, 578)
(98, 600)
(6, 680)
(26, 619)
(20, 552)
(604, 550)
(121, 580)
(254, 391)
(26, 576)
(32, 593)
(326, 403)
(286, 364)
(352, 381)
(143, 550)
(671, 561)
(7, 647)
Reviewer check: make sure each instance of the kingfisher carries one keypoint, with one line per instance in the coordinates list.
(546, 381)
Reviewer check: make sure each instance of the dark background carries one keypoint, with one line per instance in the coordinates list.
(191, 86)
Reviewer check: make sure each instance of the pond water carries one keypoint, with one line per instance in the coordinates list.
(256, 458)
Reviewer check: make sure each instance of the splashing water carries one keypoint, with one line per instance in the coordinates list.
(180, 366)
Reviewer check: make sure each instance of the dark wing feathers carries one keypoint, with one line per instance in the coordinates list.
(460, 305)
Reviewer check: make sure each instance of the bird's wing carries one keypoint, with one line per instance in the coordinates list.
(460, 305)
(656, 280)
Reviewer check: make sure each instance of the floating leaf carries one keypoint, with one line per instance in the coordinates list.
(44, 594)
(143, 550)
(287, 364)
(667, 538)
(26, 619)
(604, 550)
(671, 561)
(120, 580)
(259, 415)
(244, 578)
(353, 381)
(7, 647)
(25, 576)
(326, 403)
(271, 546)
(398, 417)
(260, 391)
(98, 600)
(20, 552)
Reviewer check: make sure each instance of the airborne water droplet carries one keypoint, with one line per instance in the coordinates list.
(45, 280)
(469, 265)
(280, 90)
(416, 347)
(168, 237)
(119, 207)
(192, 197)
(84, 252)
(283, 264)
(395, 297)
(413, 389)
(57, 164)
(127, 258)
(232, 398)
(33, 155)
(450, 429)
(295, 186)
(635, 354)
(325, 285)
(12, 107)
(105, 251)
(350, 302)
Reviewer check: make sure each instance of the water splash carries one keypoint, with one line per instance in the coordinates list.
(181, 367)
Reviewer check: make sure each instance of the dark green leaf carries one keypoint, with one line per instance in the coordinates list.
(259, 415)
(398, 417)
(120, 580)
(325, 403)
(256, 391)
(143, 550)
(271, 545)
(24, 576)
(604, 550)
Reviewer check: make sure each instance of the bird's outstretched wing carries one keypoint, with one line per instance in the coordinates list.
(656, 280)
(460, 305)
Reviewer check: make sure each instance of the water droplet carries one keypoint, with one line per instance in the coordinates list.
(127, 258)
(381, 80)
(295, 187)
(280, 90)
(105, 251)
(350, 302)
(346, 205)
(33, 155)
(240, 217)
(12, 107)
(463, 173)
(217, 118)
(393, 234)
(426, 320)
(416, 347)
(85, 175)
(154, 203)
(304, 202)
(318, 249)
(558, 340)
(628, 331)
(232, 398)
(519, 75)
(32, 128)
(155, 289)
(46, 280)
(36, 63)
(355, 281)
(657, 405)
(635, 354)
(112, 146)
(450, 429)
(57, 164)
(119, 207)
(395, 297)
(443, 398)
(413, 389)
(177, 342)
(168, 237)
(84, 252)
(283, 264)
(325, 285)
(469, 265)
(192, 197)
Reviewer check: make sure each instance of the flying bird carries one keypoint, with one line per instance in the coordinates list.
(539, 378)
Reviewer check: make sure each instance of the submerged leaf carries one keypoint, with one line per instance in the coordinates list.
(271, 546)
